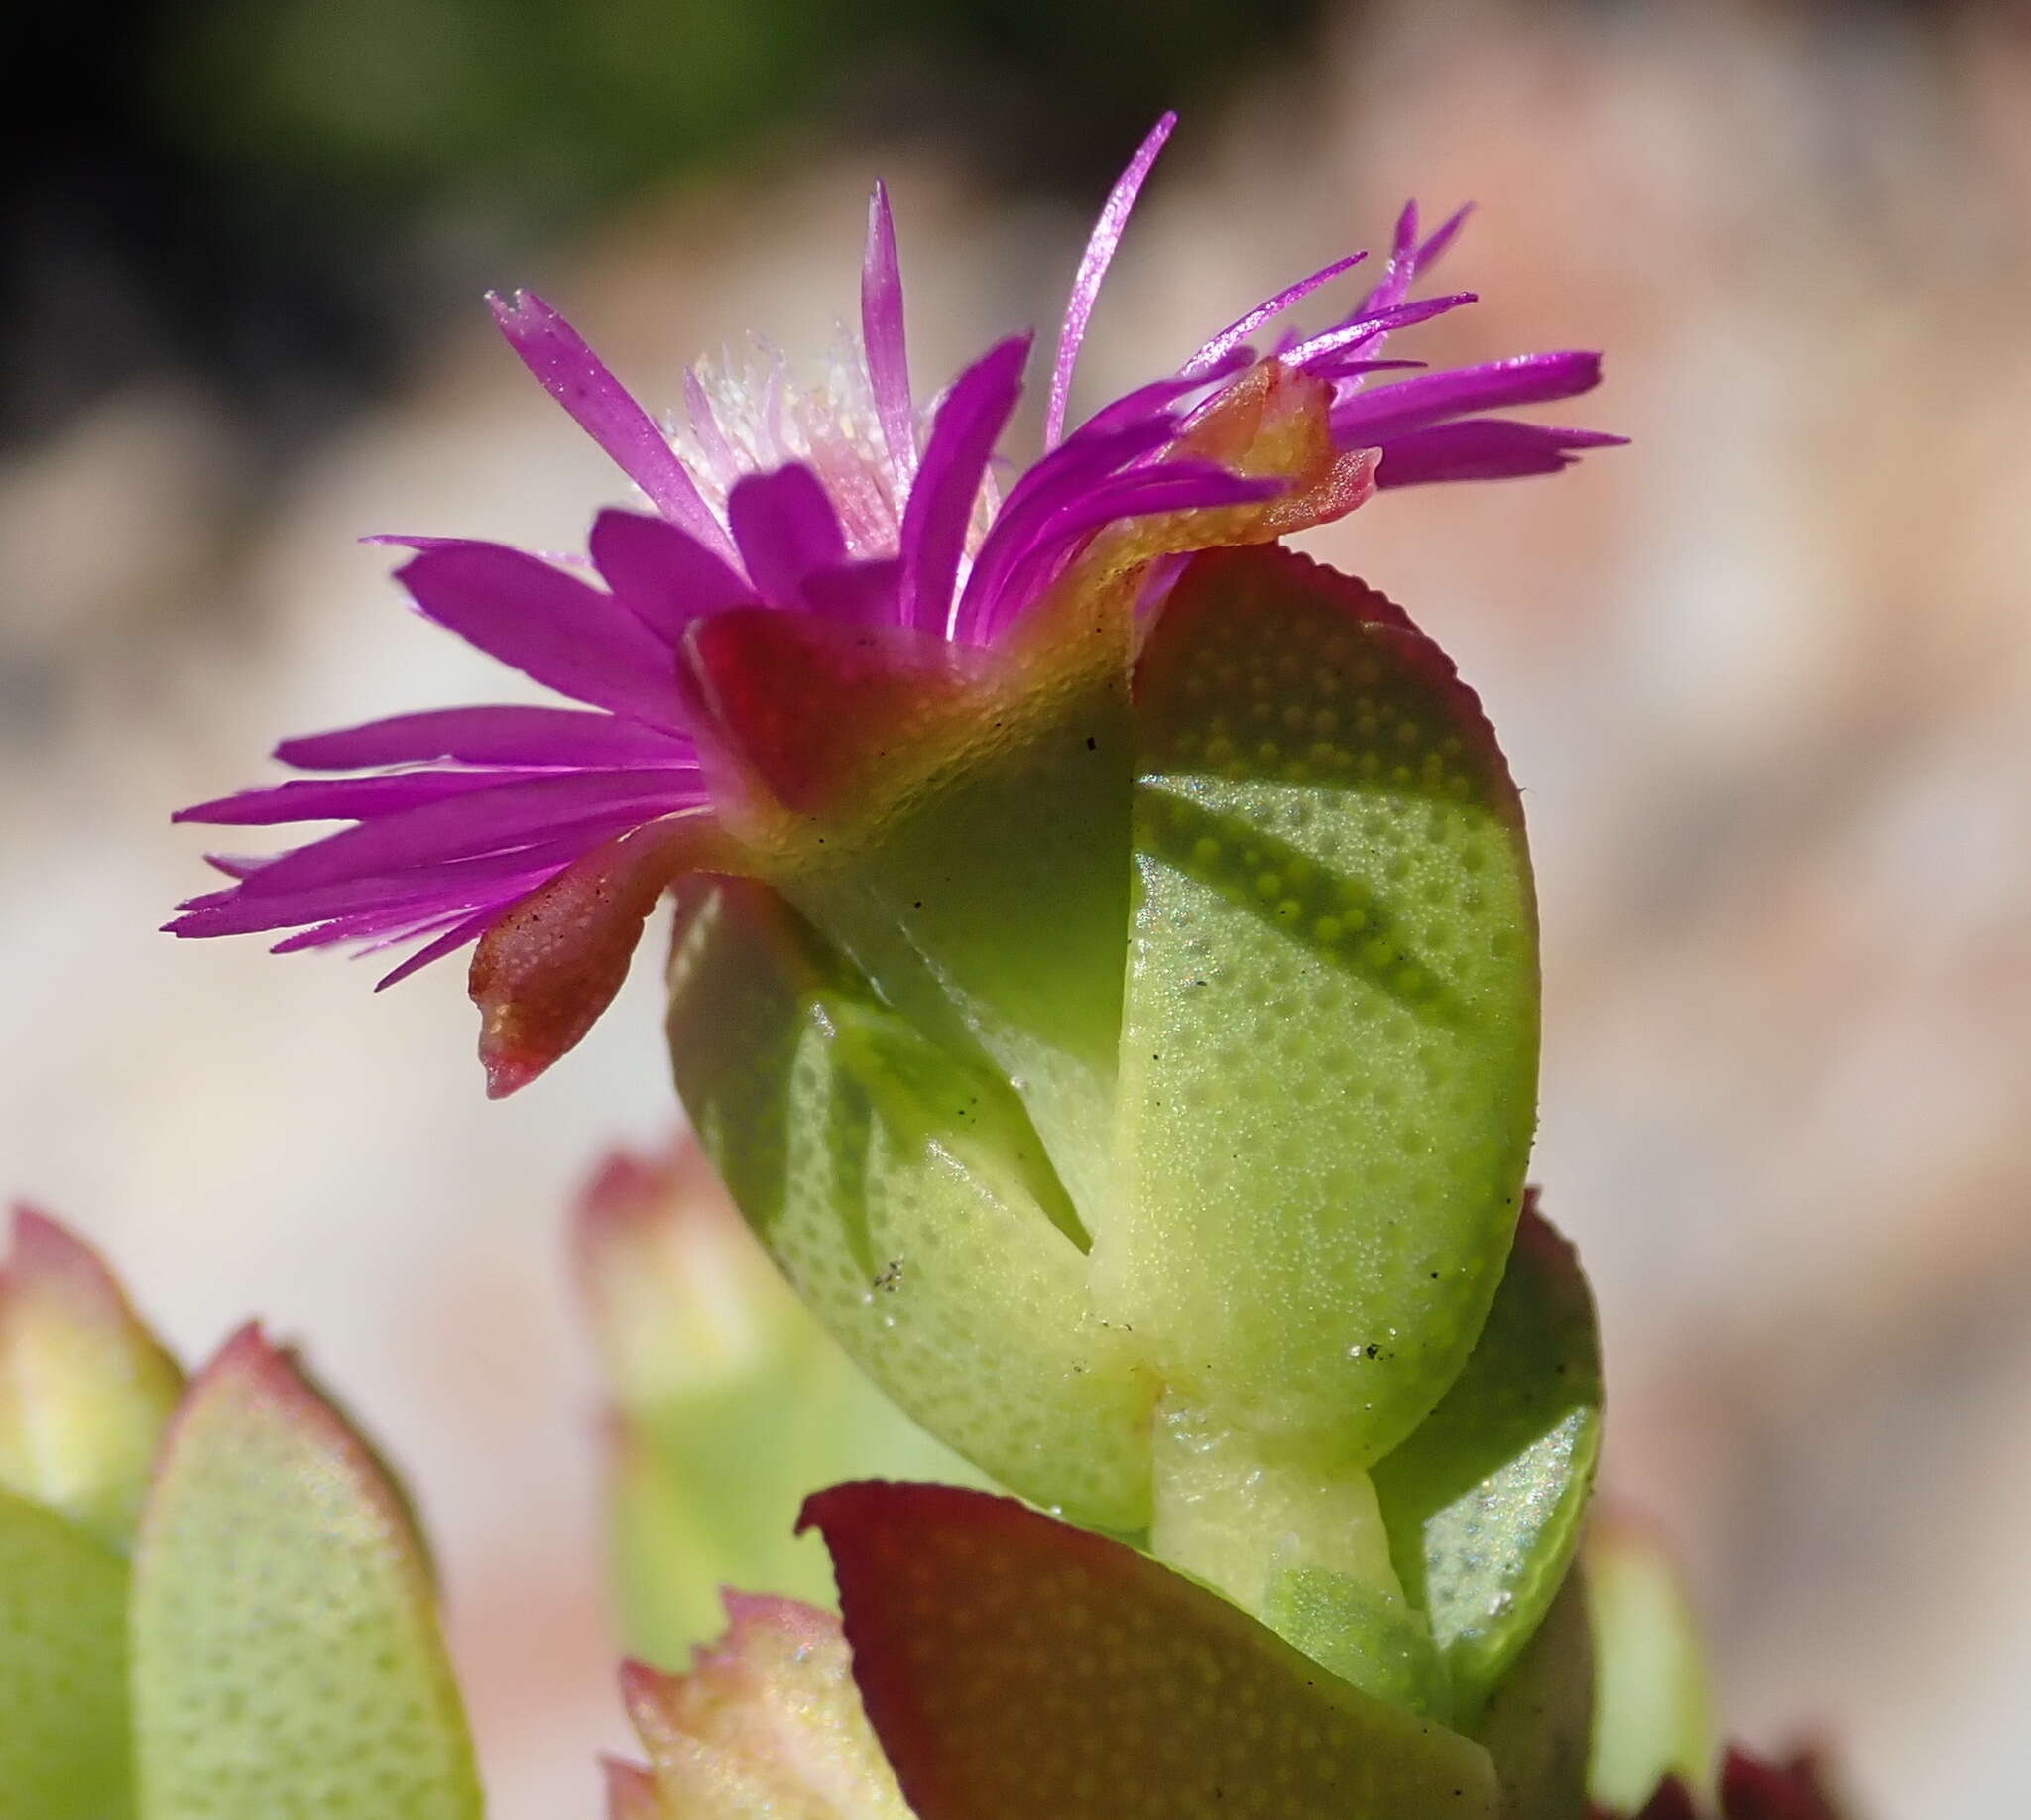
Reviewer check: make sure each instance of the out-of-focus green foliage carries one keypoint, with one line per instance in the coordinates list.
(572, 102)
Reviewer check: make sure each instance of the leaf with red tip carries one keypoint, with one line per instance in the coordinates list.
(84, 1387)
(542, 975)
(1485, 1500)
(630, 1791)
(286, 1651)
(1015, 1666)
(767, 1724)
(64, 1752)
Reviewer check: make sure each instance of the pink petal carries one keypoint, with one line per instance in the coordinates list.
(1483, 448)
(550, 626)
(1093, 265)
(882, 336)
(787, 529)
(662, 575)
(534, 737)
(342, 799)
(962, 442)
(551, 349)
(1415, 404)
(1243, 326)
(1373, 325)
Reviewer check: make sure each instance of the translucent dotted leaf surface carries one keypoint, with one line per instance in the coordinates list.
(1015, 1666)
(902, 1189)
(1485, 1500)
(63, 1669)
(1329, 1050)
(286, 1655)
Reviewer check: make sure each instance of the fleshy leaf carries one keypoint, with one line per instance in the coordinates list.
(1306, 1552)
(64, 1752)
(1329, 1050)
(1485, 1499)
(731, 1405)
(902, 1189)
(1653, 1712)
(1537, 1721)
(286, 1656)
(1015, 1666)
(767, 1724)
(84, 1387)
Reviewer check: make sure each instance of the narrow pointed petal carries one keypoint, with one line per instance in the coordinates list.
(481, 823)
(882, 336)
(1485, 448)
(786, 528)
(579, 379)
(547, 970)
(550, 626)
(346, 799)
(1093, 265)
(84, 1387)
(285, 1631)
(1245, 326)
(662, 575)
(526, 737)
(962, 442)
(1015, 1666)
(1499, 385)
(467, 929)
(1367, 328)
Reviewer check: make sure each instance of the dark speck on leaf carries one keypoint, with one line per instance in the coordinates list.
(1092, 744)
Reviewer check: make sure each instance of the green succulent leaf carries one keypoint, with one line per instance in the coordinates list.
(1015, 1666)
(1653, 1709)
(1329, 1050)
(1485, 1500)
(84, 1387)
(63, 1750)
(731, 1405)
(1537, 1723)
(285, 1651)
(904, 1192)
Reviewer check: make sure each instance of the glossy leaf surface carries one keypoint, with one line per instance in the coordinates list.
(1329, 1050)
(1015, 1666)
(285, 1651)
(1485, 1499)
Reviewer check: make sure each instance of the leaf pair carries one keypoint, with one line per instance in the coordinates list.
(212, 1600)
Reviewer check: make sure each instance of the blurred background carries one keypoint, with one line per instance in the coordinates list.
(1766, 678)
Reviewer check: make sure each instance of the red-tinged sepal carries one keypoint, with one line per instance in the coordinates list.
(283, 1626)
(810, 710)
(84, 1387)
(542, 975)
(768, 1721)
(1014, 1666)
(1796, 1789)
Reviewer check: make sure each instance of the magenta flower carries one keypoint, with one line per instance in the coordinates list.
(864, 517)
